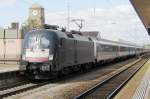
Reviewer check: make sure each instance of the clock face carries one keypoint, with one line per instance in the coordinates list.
(35, 12)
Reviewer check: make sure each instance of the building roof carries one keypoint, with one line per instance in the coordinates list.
(90, 33)
(36, 5)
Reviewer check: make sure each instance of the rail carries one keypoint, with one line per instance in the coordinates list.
(117, 90)
(91, 90)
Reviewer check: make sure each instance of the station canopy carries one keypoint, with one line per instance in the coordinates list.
(142, 8)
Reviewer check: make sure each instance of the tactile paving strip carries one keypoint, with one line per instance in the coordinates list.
(143, 89)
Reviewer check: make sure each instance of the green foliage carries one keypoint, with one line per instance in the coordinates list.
(32, 25)
(24, 29)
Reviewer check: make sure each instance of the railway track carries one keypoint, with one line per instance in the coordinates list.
(9, 79)
(108, 88)
(23, 82)
(26, 86)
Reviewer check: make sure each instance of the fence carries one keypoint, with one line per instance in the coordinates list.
(10, 49)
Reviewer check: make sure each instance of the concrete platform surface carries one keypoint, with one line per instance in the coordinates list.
(8, 67)
(143, 90)
(139, 86)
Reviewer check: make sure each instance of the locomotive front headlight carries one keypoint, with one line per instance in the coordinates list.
(50, 57)
(23, 65)
(45, 67)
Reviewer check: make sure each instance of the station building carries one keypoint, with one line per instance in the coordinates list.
(11, 38)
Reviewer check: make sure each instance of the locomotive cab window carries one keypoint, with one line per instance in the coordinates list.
(40, 39)
(45, 42)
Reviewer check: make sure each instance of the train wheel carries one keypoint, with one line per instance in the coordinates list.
(65, 71)
(76, 68)
(86, 67)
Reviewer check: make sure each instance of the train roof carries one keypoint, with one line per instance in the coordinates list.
(61, 34)
(115, 43)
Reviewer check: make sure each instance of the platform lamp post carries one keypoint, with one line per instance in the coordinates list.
(68, 15)
(4, 45)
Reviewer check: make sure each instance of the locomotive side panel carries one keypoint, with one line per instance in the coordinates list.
(69, 51)
(85, 52)
(66, 53)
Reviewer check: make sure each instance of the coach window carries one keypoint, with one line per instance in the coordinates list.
(104, 48)
(121, 48)
(114, 48)
(107, 48)
(99, 47)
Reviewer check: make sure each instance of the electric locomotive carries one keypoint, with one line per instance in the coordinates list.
(49, 52)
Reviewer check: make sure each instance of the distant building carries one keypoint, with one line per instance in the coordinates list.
(94, 34)
(36, 17)
(11, 38)
(11, 32)
(15, 25)
(10, 44)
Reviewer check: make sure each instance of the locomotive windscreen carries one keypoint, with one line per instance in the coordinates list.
(40, 39)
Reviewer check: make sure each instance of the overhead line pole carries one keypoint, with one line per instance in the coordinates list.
(68, 15)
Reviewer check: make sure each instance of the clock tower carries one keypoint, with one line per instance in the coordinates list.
(36, 17)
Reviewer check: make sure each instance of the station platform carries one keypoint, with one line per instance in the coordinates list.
(138, 87)
(7, 67)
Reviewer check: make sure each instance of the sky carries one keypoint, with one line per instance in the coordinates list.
(114, 19)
